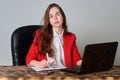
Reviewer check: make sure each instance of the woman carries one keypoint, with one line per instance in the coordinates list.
(53, 45)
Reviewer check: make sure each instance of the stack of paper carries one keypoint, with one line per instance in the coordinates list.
(49, 68)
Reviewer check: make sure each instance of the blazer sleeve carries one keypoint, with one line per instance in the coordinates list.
(34, 49)
(75, 52)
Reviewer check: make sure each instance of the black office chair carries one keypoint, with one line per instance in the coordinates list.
(21, 40)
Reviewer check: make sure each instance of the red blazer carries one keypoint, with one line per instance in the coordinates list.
(71, 53)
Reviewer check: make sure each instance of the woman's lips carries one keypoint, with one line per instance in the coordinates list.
(56, 22)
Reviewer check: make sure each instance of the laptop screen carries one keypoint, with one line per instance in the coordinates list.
(99, 57)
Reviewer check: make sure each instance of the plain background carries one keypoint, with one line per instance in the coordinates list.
(93, 21)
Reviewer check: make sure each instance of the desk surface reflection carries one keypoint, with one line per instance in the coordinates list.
(27, 73)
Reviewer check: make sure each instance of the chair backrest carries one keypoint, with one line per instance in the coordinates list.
(21, 39)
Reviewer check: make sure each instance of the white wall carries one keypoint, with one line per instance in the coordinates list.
(91, 20)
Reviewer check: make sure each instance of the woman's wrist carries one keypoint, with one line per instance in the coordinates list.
(33, 63)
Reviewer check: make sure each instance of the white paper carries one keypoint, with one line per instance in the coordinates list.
(49, 68)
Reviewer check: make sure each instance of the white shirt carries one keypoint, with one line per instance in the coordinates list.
(58, 58)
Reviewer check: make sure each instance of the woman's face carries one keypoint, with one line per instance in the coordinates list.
(55, 17)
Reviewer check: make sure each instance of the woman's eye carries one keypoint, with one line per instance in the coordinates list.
(50, 16)
(58, 14)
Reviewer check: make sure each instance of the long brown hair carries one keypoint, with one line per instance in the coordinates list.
(47, 34)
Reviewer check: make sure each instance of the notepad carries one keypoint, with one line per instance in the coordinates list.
(49, 68)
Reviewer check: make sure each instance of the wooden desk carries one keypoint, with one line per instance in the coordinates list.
(26, 73)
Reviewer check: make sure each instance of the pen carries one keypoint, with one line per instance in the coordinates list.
(47, 57)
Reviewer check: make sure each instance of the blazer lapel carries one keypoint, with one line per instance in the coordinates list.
(66, 48)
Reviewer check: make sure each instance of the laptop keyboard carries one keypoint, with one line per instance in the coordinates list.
(73, 68)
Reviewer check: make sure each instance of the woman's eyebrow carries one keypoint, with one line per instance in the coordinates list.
(55, 13)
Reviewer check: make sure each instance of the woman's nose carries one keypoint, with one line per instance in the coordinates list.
(55, 17)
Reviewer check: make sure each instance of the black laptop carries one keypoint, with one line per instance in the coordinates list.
(96, 57)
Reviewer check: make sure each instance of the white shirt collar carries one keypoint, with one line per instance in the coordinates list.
(57, 35)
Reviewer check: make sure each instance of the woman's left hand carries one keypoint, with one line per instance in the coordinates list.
(79, 62)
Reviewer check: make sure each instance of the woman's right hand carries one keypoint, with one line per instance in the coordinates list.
(41, 64)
